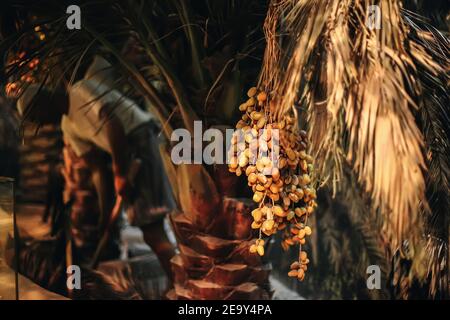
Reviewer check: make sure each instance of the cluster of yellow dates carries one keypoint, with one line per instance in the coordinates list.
(13, 89)
(272, 154)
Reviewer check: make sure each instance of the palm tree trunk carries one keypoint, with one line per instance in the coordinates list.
(214, 260)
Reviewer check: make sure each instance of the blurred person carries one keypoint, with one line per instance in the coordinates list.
(94, 115)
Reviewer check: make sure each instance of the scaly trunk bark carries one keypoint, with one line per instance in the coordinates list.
(214, 261)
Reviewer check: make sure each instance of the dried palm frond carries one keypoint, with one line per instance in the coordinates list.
(269, 76)
(362, 91)
(437, 267)
(434, 119)
(385, 142)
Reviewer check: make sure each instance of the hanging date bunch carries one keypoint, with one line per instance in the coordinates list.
(271, 152)
(13, 88)
(29, 66)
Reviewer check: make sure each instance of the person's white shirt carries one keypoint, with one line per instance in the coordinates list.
(82, 126)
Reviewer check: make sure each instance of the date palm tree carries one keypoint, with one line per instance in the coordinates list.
(373, 101)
